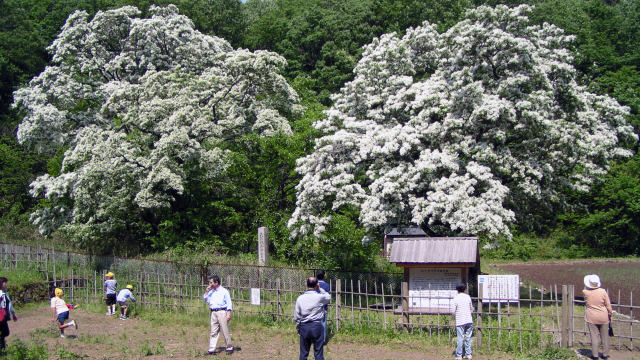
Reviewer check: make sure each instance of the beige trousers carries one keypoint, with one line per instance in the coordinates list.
(598, 332)
(219, 322)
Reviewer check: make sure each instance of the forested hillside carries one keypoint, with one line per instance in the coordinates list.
(139, 126)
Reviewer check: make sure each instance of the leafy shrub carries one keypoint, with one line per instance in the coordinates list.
(18, 350)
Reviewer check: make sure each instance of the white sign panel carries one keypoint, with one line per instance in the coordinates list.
(255, 296)
(499, 288)
(433, 288)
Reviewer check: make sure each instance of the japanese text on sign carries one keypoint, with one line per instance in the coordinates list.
(499, 288)
(432, 288)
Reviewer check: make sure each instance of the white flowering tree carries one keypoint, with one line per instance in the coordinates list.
(457, 131)
(142, 108)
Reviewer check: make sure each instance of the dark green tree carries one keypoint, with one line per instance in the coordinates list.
(611, 221)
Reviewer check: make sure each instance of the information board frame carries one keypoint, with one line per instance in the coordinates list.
(499, 288)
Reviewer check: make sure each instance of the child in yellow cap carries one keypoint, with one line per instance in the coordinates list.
(110, 286)
(123, 297)
(60, 312)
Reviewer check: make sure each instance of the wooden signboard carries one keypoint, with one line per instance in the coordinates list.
(431, 289)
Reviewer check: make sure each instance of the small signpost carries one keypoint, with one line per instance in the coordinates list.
(499, 288)
(263, 245)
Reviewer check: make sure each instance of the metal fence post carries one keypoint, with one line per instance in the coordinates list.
(479, 317)
(279, 311)
(338, 292)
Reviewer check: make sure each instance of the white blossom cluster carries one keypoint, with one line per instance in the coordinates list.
(142, 107)
(455, 129)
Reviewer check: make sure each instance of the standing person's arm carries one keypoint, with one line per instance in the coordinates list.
(206, 294)
(607, 304)
(297, 315)
(326, 297)
(227, 300)
(471, 307)
(453, 308)
(53, 309)
(11, 310)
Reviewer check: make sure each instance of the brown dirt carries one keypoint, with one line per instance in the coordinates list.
(618, 277)
(102, 337)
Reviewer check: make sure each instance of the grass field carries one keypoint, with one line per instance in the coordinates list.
(152, 335)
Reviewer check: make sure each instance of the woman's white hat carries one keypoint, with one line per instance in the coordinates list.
(592, 281)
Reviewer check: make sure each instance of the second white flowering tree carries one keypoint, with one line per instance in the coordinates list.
(457, 131)
(141, 108)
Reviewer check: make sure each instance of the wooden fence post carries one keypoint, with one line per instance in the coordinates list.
(279, 311)
(338, 292)
(479, 325)
(570, 304)
(564, 336)
(405, 305)
(72, 288)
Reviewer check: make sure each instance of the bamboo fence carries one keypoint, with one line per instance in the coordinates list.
(542, 317)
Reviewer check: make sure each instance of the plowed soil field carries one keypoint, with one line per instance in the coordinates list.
(620, 278)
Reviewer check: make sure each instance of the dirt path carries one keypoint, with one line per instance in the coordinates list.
(102, 337)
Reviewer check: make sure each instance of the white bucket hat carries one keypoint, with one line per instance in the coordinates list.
(592, 281)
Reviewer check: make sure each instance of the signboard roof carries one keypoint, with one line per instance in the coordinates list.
(405, 231)
(435, 250)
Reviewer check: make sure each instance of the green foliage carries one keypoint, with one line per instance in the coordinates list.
(155, 349)
(524, 247)
(624, 85)
(222, 18)
(318, 38)
(17, 169)
(18, 350)
(64, 354)
(339, 248)
(322, 41)
(18, 278)
(394, 15)
(610, 223)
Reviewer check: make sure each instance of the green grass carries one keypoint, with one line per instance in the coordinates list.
(20, 277)
(65, 354)
(19, 350)
(155, 349)
(95, 339)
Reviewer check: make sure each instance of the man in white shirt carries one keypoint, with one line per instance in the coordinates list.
(219, 301)
(462, 309)
(308, 315)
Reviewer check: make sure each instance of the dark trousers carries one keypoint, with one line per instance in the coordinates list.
(311, 333)
(4, 332)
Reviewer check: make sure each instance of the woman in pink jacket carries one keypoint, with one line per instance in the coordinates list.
(597, 313)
